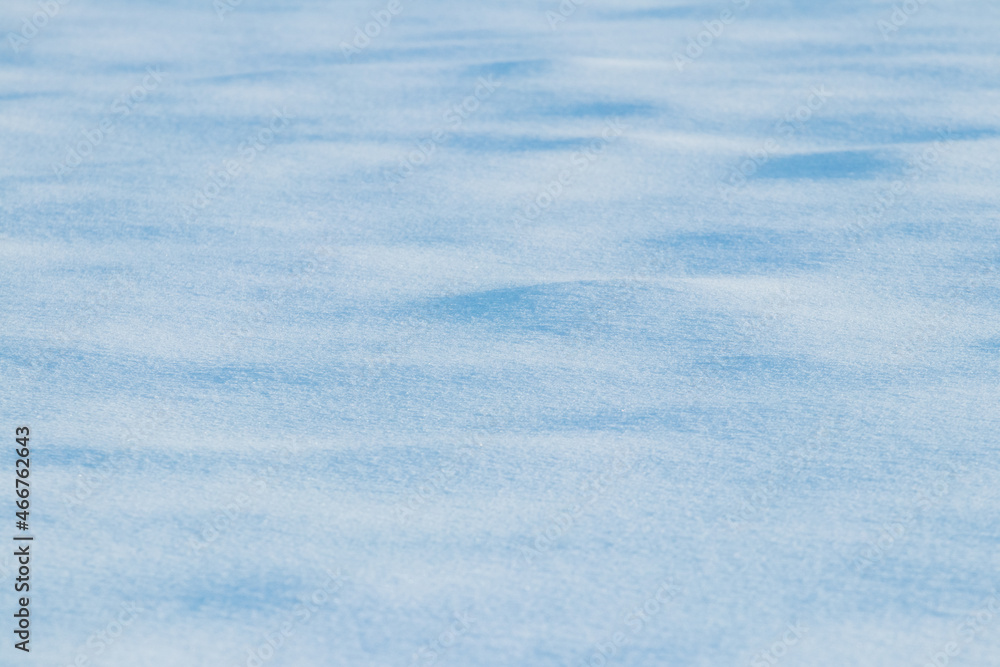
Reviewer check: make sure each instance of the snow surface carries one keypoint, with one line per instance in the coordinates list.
(768, 402)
